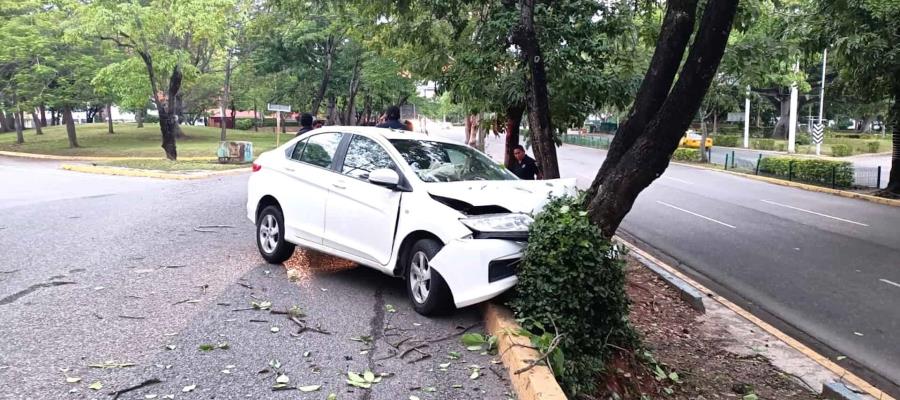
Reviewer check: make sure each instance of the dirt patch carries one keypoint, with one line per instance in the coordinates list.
(305, 263)
(679, 340)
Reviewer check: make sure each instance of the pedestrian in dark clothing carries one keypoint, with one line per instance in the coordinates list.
(392, 119)
(306, 121)
(525, 167)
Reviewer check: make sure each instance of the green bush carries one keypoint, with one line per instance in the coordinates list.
(682, 154)
(243, 124)
(151, 119)
(574, 279)
(803, 139)
(727, 141)
(764, 144)
(841, 150)
(809, 170)
(872, 147)
(781, 146)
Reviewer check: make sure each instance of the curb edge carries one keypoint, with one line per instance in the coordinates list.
(537, 383)
(38, 156)
(91, 169)
(688, 293)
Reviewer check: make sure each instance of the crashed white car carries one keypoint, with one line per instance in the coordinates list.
(442, 215)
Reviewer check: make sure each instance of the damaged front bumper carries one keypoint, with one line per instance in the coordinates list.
(478, 269)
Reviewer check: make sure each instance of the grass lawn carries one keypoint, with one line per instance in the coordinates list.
(131, 141)
(166, 165)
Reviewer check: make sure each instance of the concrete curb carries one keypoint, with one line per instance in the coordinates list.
(846, 376)
(812, 188)
(688, 293)
(537, 383)
(93, 169)
(839, 391)
(89, 158)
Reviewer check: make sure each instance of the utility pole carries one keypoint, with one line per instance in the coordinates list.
(821, 127)
(747, 119)
(792, 120)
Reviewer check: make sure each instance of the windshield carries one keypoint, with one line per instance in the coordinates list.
(446, 162)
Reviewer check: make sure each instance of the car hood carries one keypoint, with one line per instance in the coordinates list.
(516, 196)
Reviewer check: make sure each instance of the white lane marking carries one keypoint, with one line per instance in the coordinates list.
(813, 212)
(695, 214)
(890, 283)
(679, 180)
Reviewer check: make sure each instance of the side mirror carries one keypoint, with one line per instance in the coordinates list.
(384, 177)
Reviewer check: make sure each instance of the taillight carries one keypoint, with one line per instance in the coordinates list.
(256, 167)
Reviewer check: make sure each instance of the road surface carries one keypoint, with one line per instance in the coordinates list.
(114, 271)
(822, 267)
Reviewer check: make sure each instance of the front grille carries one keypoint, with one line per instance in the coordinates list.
(500, 269)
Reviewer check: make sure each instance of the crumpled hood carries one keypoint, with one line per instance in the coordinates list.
(517, 196)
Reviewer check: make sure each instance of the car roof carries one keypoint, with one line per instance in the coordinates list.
(386, 133)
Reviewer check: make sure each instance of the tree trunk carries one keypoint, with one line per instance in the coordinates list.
(354, 88)
(513, 121)
(648, 157)
(330, 112)
(367, 109)
(536, 94)
(715, 122)
(781, 127)
(177, 112)
(226, 91)
(704, 133)
(43, 111)
(19, 123)
(255, 117)
(678, 24)
(758, 117)
(37, 123)
(70, 127)
(109, 121)
(54, 117)
(893, 186)
(326, 76)
(168, 122)
(139, 117)
(4, 126)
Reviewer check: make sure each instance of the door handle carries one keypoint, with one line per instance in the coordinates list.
(339, 186)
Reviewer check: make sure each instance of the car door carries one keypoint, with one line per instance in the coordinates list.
(310, 169)
(361, 217)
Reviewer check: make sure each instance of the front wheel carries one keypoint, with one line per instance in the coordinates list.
(427, 290)
(270, 236)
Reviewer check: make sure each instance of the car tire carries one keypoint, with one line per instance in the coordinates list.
(270, 238)
(425, 287)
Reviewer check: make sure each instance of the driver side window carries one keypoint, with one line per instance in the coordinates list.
(364, 155)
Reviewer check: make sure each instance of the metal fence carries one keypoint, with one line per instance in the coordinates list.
(597, 142)
(847, 176)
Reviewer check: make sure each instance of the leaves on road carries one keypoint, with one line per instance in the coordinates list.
(310, 388)
(96, 386)
(73, 379)
(189, 388)
(111, 364)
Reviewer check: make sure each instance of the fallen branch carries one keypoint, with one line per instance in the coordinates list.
(10, 271)
(499, 376)
(143, 384)
(245, 285)
(532, 363)
(131, 317)
(414, 348)
(424, 357)
(172, 266)
(215, 226)
(453, 335)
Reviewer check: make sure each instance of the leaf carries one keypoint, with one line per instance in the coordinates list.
(283, 379)
(668, 390)
(274, 329)
(275, 364)
(411, 397)
(457, 386)
(444, 366)
(751, 396)
(170, 347)
(453, 355)
(223, 346)
(207, 347)
(369, 376)
(673, 376)
(96, 386)
(73, 379)
(306, 354)
(474, 348)
(564, 209)
(355, 377)
(189, 388)
(475, 375)
(430, 389)
(310, 388)
(389, 308)
(472, 339)
(149, 396)
(331, 396)
(364, 385)
(839, 358)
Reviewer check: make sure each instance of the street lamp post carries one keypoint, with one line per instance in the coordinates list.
(747, 119)
(792, 120)
(821, 128)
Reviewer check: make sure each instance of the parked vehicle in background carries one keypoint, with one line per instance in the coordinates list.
(439, 214)
(692, 140)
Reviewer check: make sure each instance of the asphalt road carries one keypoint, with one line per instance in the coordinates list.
(822, 267)
(114, 271)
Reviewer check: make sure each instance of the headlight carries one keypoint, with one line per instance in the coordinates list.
(499, 226)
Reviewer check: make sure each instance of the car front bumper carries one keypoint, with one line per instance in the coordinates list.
(478, 269)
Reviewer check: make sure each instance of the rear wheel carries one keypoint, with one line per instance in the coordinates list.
(426, 288)
(270, 236)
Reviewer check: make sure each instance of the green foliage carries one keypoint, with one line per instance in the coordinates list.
(727, 141)
(763, 144)
(572, 280)
(802, 139)
(872, 147)
(841, 150)
(683, 154)
(243, 124)
(815, 171)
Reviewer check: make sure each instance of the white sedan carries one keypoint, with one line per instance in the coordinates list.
(442, 215)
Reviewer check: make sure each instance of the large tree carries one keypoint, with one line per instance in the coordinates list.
(662, 111)
(171, 38)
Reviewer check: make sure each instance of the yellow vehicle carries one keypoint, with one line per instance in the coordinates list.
(692, 139)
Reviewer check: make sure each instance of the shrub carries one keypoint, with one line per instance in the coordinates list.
(574, 279)
(151, 119)
(809, 170)
(841, 150)
(727, 141)
(243, 124)
(682, 154)
(872, 147)
(781, 146)
(764, 144)
(803, 139)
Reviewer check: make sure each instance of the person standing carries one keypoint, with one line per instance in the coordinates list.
(392, 119)
(525, 167)
(306, 121)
